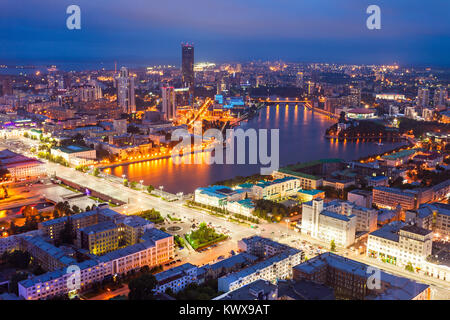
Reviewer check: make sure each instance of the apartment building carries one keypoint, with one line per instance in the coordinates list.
(20, 167)
(261, 247)
(400, 244)
(133, 228)
(218, 196)
(366, 219)
(307, 181)
(409, 246)
(62, 281)
(48, 256)
(276, 189)
(271, 269)
(226, 266)
(277, 263)
(258, 290)
(349, 279)
(176, 279)
(153, 248)
(433, 216)
(75, 155)
(390, 198)
(99, 238)
(327, 225)
(362, 198)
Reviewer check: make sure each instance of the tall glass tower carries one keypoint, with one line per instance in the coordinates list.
(187, 65)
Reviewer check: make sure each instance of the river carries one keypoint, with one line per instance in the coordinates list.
(301, 139)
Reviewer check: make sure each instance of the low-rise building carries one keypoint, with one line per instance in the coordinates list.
(276, 189)
(277, 263)
(176, 279)
(308, 195)
(327, 225)
(244, 207)
(75, 155)
(362, 198)
(276, 267)
(20, 167)
(153, 248)
(398, 158)
(218, 196)
(400, 244)
(377, 181)
(99, 238)
(351, 280)
(257, 290)
(433, 216)
(390, 198)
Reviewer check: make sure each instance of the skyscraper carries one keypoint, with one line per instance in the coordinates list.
(299, 80)
(187, 65)
(423, 97)
(168, 103)
(440, 97)
(125, 91)
(355, 94)
(6, 87)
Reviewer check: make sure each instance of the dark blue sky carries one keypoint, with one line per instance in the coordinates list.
(150, 31)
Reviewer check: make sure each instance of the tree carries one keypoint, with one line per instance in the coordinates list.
(409, 267)
(96, 172)
(150, 188)
(17, 259)
(332, 246)
(15, 279)
(142, 288)
(3, 173)
(125, 182)
(342, 117)
(29, 211)
(67, 233)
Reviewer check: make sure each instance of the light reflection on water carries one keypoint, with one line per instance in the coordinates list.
(301, 139)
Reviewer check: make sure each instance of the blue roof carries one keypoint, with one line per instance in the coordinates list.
(389, 231)
(410, 193)
(173, 272)
(99, 227)
(50, 249)
(399, 288)
(248, 203)
(232, 277)
(154, 235)
(336, 215)
(234, 260)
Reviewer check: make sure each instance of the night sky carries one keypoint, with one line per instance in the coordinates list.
(150, 31)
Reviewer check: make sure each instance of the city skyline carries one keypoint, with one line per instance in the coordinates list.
(187, 151)
(145, 32)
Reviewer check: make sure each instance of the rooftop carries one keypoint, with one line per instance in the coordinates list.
(256, 290)
(311, 192)
(335, 215)
(72, 149)
(400, 154)
(173, 273)
(304, 290)
(399, 288)
(99, 227)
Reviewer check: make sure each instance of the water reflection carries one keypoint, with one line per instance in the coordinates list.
(301, 139)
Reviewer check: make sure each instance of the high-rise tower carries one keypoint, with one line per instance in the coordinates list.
(187, 65)
(125, 91)
(168, 103)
